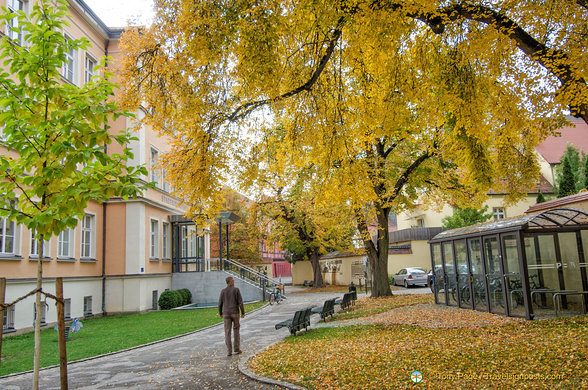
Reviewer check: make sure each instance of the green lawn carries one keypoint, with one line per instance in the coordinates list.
(106, 334)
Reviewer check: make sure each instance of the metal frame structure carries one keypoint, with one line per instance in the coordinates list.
(188, 250)
(529, 266)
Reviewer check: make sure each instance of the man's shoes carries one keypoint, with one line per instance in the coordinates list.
(229, 354)
(237, 352)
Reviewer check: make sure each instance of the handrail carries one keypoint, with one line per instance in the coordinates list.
(255, 272)
(247, 274)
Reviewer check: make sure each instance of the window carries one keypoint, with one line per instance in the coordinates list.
(164, 184)
(154, 252)
(89, 68)
(13, 28)
(8, 323)
(43, 312)
(420, 222)
(35, 246)
(65, 243)
(67, 308)
(165, 240)
(7, 237)
(69, 63)
(88, 306)
(154, 172)
(88, 236)
(499, 212)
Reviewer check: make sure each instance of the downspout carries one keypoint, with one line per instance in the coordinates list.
(104, 221)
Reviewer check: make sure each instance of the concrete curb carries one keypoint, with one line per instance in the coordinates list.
(125, 350)
(262, 379)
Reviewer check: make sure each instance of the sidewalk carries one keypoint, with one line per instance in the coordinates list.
(194, 361)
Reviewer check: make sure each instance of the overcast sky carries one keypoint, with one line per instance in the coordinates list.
(116, 13)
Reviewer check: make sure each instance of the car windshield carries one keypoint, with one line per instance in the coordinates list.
(416, 271)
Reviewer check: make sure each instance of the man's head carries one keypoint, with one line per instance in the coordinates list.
(230, 281)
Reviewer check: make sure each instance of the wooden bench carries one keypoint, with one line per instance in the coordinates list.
(300, 320)
(345, 302)
(328, 309)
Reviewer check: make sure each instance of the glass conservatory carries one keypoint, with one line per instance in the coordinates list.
(532, 266)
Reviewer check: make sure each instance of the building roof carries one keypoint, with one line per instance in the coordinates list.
(556, 218)
(554, 146)
(543, 185)
(559, 202)
(413, 234)
(86, 11)
(339, 254)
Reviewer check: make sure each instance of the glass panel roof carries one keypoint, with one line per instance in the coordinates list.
(555, 218)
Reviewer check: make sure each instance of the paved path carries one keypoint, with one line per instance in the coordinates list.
(194, 361)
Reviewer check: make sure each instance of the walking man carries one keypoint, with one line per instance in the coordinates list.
(230, 303)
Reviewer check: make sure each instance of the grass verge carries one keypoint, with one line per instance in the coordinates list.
(102, 335)
(549, 354)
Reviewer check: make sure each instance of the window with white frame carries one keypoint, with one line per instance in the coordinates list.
(154, 236)
(164, 184)
(8, 323)
(8, 237)
(88, 236)
(43, 312)
(499, 212)
(13, 28)
(67, 308)
(87, 306)
(65, 243)
(165, 240)
(155, 174)
(69, 65)
(89, 68)
(35, 245)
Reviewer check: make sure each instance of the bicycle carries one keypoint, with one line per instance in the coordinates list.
(276, 296)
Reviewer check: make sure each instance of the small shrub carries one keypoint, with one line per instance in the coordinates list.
(186, 295)
(179, 298)
(168, 300)
(391, 280)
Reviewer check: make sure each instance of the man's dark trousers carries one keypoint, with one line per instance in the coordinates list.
(232, 323)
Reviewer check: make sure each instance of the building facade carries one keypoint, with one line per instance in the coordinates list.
(119, 256)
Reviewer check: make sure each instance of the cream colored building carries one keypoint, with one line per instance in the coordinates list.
(338, 268)
(119, 256)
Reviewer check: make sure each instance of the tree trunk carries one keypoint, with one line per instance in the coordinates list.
(381, 286)
(61, 335)
(2, 296)
(316, 268)
(37, 353)
(377, 253)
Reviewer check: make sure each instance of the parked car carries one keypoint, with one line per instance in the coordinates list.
(410, 277)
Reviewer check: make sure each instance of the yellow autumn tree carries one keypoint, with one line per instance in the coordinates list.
(290, 202)
(392, 102)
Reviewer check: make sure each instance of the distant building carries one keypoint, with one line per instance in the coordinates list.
(425, 216)
(551, 150)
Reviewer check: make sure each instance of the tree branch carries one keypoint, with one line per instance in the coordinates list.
(403, 179)
(555, 61)
(245, 109)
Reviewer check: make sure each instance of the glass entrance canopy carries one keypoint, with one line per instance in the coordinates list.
(531, 266)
